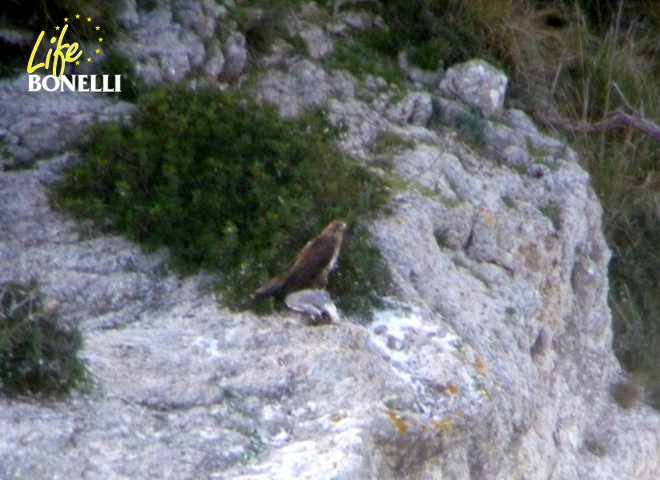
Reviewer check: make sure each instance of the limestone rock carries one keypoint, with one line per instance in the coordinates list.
(355, 18)
(303, 84)
(127, 14)
(235, 57)
(477, 84)
(360, 21)
(215, 60)
(191, 15)
(214, 10)
(319, 46)
(418, 76)
(37, 124)
(170, 40)
(16, 37)
(416, 108)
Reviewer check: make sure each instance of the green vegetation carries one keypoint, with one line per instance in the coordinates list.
(420, 28)
(38, 352)
(228, 186)
(471, 128)
(426, 33)
(116, 63)
(428, 40)
(359, 56)
(263, 29)
(388, 142)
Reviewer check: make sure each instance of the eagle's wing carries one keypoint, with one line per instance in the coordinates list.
(312, 263)
(308, 267)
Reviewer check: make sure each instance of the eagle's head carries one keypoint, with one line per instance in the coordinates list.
(335, 227)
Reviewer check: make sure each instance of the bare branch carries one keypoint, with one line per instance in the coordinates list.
(616, 120)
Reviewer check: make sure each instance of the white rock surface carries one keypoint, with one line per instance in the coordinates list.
(318, 44)
(171, 38)
(41, 123)
(477, 84)
(416, 108)
(235, 52)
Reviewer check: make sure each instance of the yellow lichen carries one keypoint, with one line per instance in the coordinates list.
(451, 388)
(336, 418)
(398, 421)
(480, 366)
(443, 425)
(486, 217)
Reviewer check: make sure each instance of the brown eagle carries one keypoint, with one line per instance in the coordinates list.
(311, 266)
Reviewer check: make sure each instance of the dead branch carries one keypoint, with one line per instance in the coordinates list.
(616, 120)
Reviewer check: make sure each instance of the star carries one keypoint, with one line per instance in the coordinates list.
(77, 62)
(97, 50)
(57, 28)
(66, 19)
(89, 19)
(77, 16)
(89, 59)
(98, 28)
(100, 39)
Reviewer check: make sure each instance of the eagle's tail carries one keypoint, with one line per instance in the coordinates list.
(271, 288)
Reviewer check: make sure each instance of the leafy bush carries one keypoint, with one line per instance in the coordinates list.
(361, 58)
(227, 185)
(417, 27)
(262, 29)
(116, 63)
(38, 353)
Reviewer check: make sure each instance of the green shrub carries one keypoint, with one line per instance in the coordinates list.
(227, 185)
(116, 63)
(360, 57)
(38, 353)
(388, 142)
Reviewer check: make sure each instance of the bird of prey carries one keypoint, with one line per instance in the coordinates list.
(311, 266)
(315, 303)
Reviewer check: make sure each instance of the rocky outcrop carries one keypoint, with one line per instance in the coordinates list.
(42, 123)
(177, 37)
(478, 85)
(503, 265)
(491, 359)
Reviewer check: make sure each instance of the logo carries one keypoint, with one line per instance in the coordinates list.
(62, 53)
